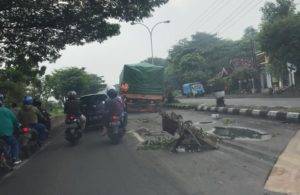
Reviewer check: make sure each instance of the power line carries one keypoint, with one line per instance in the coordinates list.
(245, 13)
(213, 13)
(237, 15)
(231, 15)
(200, 17)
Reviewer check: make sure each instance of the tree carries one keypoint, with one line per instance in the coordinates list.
(68, 79)
(17, 81)
(280, 35)
(38, 30)
(282, 8)
(202, 58)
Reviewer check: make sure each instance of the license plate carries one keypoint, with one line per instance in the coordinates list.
(115, 123)
(73, 125)
(26, 135)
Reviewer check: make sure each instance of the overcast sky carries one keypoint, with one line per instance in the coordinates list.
(227, 18)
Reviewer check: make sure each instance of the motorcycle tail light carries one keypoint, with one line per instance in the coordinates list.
(25, 129)
(71, 118)
(114, 118)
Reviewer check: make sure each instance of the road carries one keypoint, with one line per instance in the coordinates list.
(269, 102)
(96, 167)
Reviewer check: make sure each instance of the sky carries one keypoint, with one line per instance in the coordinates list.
(227, 18)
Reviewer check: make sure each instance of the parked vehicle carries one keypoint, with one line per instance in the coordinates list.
(73, 130)
(142, 84)
(28, 139)
(93, 107)
(5, 159)
(193, 89)
(116, 128)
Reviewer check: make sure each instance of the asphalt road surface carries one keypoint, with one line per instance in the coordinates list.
(93, 167)
(96, 167)
(269, 102)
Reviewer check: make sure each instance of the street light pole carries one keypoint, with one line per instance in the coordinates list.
(151, 33)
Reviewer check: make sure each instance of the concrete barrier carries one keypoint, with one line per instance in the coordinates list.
(275, 115)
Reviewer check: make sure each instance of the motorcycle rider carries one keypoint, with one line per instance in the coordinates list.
(114, 106)
(28, 116)
(72, 107)
(8, 123)
(38, 104)
(15, 108)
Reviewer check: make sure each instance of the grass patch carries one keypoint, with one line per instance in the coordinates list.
(294, 109)
(59, 112)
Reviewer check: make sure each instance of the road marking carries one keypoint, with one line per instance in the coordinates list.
(138, 137)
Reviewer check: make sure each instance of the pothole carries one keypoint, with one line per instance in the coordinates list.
(240, 133)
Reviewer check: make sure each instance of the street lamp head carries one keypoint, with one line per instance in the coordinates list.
(167, 21)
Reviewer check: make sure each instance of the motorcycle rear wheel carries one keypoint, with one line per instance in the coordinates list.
(115, 137)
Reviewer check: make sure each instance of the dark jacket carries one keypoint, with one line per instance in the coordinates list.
(72, 107)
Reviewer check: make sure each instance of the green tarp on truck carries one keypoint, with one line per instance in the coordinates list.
(143, 78)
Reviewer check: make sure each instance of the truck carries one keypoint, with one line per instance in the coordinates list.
(142, 85)
(193, 89)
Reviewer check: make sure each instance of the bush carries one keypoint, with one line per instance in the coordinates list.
(216, 84)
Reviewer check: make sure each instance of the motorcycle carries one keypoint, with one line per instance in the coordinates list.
(73, 131)
(5, 160)
(116, 128)
(29, 140)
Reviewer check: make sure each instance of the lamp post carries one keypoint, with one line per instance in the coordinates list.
(150, 30)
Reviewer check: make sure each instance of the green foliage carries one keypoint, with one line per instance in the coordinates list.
(273, 11)
(67, 79)
(294, 109)
(205, 55)
(57, 112)
(216, 84)
(280, 35)
(281, 39)
(16, 81)
(38, 30)
(228, 121)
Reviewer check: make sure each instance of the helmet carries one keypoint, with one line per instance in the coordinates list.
(109, 87)
(112, 93)
(1, 99)
(72, 94)
(37, 102)
(27, 100)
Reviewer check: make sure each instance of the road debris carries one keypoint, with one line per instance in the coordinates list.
(191, 138)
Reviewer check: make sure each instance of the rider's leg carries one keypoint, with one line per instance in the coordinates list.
(41, 128)
(82, 122)
(14, 145)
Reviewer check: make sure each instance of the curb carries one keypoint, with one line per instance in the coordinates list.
(273, 115)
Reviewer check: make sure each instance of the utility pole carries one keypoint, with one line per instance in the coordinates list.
(151, 34)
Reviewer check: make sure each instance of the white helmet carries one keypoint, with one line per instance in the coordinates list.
(109, 87)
